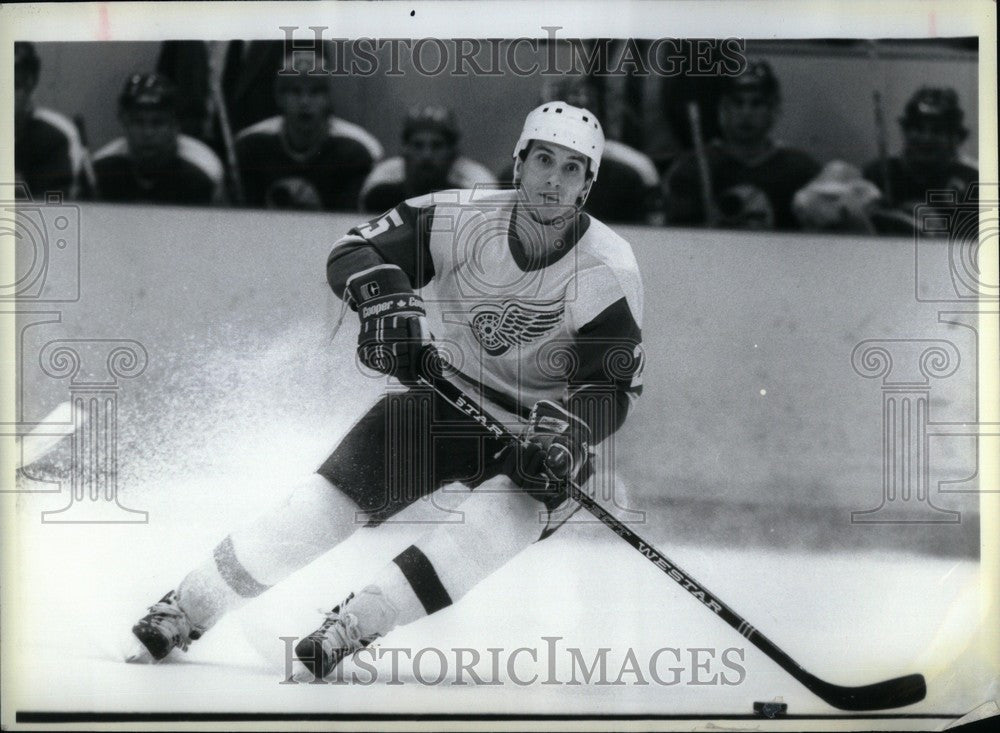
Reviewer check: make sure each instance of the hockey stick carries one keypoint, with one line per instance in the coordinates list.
(881, 135)
(228, 142)
(892, 693)
(704, 172)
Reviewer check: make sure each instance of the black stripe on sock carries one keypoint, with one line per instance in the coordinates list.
(233, 572)
(423, 578)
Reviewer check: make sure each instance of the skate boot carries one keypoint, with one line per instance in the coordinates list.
(165, 627)
(325, 648)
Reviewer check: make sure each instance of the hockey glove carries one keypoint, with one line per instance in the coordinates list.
(393, 324)
(554, 448)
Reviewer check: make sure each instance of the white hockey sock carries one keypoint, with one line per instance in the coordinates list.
(443, 566)
(315, 517)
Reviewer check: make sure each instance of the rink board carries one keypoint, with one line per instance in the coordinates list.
(754, 425)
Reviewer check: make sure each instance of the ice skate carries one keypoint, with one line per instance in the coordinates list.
(319, 653)
(165, 627)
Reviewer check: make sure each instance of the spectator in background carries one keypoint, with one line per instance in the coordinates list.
(753, 179)
(48, 153)
(430, 162)
(305, 158)
(154, 162)
(933, 131)
(628, 189)
(244, 72)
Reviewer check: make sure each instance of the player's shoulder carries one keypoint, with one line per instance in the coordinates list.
(383, 187)
(487, 198)
(343, 129)
(634, 160)
(201, 157)
(466, 173)
(967, 167)
(391, 171)
(56, 125)
(117, 149)
(265, 129)
(608, 272)
(601, 246)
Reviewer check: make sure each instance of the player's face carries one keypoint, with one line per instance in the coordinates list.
(428, 155)
(746, 116)
(553, 176)
(305, 100)
(151, 134)
(929, 142)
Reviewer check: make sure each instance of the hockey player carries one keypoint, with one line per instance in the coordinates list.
(430, 162)
(753, 177)
(154, 162)
(538, 308)
(933, 131)
(629, 189)
(48, 154)
(305, 158)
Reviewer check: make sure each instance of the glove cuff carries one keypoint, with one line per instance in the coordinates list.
(382, 291)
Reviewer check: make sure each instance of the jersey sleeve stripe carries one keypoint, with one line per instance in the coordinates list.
(116, 147)
(343, 128)
(634, 159)
(200, 155)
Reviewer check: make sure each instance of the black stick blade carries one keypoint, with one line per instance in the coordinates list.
(895, 693)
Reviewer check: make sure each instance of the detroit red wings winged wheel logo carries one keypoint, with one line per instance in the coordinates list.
(499, 326)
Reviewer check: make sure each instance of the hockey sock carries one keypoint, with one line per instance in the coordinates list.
(500, 521)
(315, 517)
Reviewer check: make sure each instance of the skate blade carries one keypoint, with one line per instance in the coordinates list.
(137, 653)
(301, 673)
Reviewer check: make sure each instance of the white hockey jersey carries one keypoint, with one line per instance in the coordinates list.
(565, 328)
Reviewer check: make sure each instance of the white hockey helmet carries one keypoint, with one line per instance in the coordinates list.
(574, 127)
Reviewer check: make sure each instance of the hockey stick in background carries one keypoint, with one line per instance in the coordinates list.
(704, 173)
(881, 134)
(228, 144)
(892, 693)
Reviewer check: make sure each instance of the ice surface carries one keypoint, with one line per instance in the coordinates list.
(851, 619)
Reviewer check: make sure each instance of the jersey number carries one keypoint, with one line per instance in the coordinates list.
(383, 224)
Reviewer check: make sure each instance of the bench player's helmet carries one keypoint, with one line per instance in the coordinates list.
(431, 117)
(939, 104)
(147, 91)
(573, 127)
